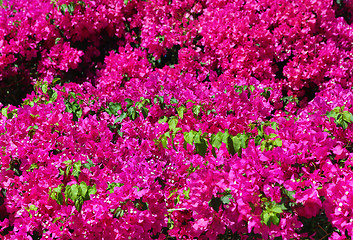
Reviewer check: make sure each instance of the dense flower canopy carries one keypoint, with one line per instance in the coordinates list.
(176, 119)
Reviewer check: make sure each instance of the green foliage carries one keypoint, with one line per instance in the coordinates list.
(113, 108)
(216, 202)
(74, 106)
(72, 168)
(240, 89)
(56, 194)
(70, 8)
(117, 213)
(5, 112)
(32, 130)
(79, 193)
(31, 208)
(88, 164)
(196, 110)
(32, 167)
(267, 141)
(45, 94)
(271, 213)
(266, 93)
(342, 118)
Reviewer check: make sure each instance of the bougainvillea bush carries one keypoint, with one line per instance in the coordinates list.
(176, 119)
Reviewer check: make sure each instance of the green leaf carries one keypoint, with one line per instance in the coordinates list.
(63, 9)
(243, 140)
(118, 213)
(173, 100)
(56, 194)
(258, 140)
(177, 200)
(196, 109)
(67, 192)
(263, 146)
(236, 143)
(92, 190)
(160, 99)
(197, 137)
(216, 140)
(129, 103)
(122, 116)
(32, 167)
(144, 111)
(277, 209)
(44, 88)
(290, 194)
(84, 189)
(274, 219)
(89, 164)
(265, 217)
(181, 111)
(164, 119)
(226, 199)
(60, 199)
(189, 137)
(76, 169)
(4, 111)
(164, 141)
(272, 135)
(79, 112)
(172, 123)
(79, 203)
(274, 125)
(57, 40)
(186, 193)
(201, 148)
(344, 124)
(347, 116)
(260, 130)
(331, 114)
(225, 136)
(71, 8)
(131, 112)
(113, 108)
(53, 95)
(229, 145)
(74, 192)
(278, 142)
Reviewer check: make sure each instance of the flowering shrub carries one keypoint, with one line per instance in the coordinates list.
(167, 119)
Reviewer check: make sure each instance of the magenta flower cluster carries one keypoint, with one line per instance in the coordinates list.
(176, 119)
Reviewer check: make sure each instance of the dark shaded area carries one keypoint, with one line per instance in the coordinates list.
(280, 66)
(318, 225)
(15, 166)
(3, 212)
(12, 90)
(84, 69)
(342, 9)
(16, 83)
(309, 92)
(36, 235)
(170, 58)
(6, 231)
